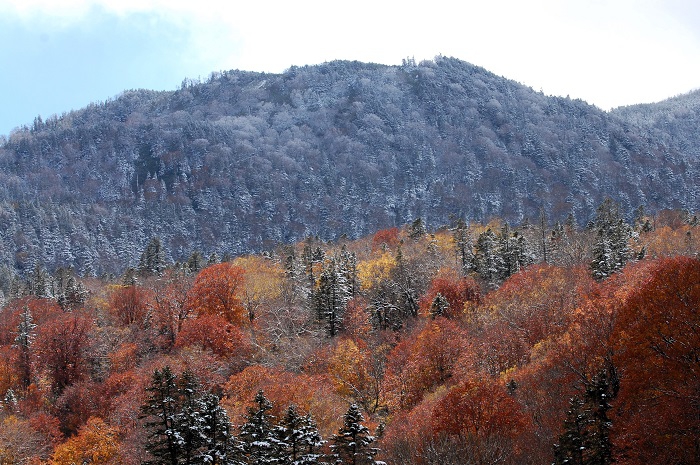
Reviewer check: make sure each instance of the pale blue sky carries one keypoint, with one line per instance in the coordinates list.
(58, 55)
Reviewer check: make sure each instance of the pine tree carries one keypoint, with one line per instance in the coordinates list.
(299, 439)
(186, 425)
(586, 436)
(352, 444)
(219, 446)
(463, 246)
(331, 298)
(611, 247)
(569, 449)
(161, 409)
(439, 305)
(487, 259)
(23, 341)
(258, 443)
(152, 260)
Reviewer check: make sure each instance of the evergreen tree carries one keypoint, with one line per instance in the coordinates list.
(258, 443)
(570, 448)
(586, 436)
(23, 341)
(352, 444)
(161, 411)
(219, 446)
(331, 298)
(195, 262)
(417, 229)
(439, 305)
(299, 439)
(611, 247)
(487, 259)
(152, 260)
(463, 246)
(186, 426)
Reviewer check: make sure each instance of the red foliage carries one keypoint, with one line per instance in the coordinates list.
(130, 304)
(457, 290)
(61, 349)
(385, 238)
(657, 353)
(214, 333)
(216, 291)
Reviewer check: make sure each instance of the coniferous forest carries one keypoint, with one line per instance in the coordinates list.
(351, 264)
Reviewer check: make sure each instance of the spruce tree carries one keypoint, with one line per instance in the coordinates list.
(352, 444)
(298, 439)
(161, 412)
(258, 443)
(611, 246)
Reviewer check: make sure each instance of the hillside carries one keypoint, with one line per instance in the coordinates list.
(247, 160)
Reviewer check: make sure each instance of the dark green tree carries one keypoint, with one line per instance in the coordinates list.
(258, 443)
(586, 436)
(352, 445)
(152, 260)
(611, 247)
(186, 426)
(299, 439)
(161, 411)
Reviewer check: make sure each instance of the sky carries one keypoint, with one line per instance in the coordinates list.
(60, 55)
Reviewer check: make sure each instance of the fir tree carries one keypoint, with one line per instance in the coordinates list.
(161, 411)
(439, 305)
(352, 444)
(258, 443)
(23, 341)
(463, 246)
(152, 260)
(586, 436)
(186, 426)
(611, 247)
(298, 439)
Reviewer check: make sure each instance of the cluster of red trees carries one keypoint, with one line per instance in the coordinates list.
(476, 377)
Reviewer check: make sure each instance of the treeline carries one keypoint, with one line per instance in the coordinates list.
(483, 343)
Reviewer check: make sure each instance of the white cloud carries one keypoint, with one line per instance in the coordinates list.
(606, 52)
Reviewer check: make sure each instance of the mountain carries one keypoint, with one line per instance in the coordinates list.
(247, 160)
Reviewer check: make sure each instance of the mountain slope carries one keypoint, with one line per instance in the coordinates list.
(246, 160)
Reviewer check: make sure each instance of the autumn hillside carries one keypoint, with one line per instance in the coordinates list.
(477, 343)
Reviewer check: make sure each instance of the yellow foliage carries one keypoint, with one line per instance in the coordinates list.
(372, 271)
(263, 277)
(96, 443)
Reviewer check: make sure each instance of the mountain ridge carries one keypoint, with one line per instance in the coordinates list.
(246, 160)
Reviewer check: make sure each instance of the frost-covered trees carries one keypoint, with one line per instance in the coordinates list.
(298, 439)
(185, 424)
(611, 247)
(352, 445)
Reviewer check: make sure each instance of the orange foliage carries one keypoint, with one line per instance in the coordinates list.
(385, 238)
(457, 290)
(216, 291)
(423, 362)
(214, 333)
(657, 351)
(130, 304)
(96, 443)
(312, 394)
(61, 349)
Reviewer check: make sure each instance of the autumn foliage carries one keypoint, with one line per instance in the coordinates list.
(445, 367)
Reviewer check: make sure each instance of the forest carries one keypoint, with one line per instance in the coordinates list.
(242, 161)
(473, 343)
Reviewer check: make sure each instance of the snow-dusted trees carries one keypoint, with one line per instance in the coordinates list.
(611, 247)
(185, 424)
(352, 445)
(298, 439)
